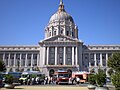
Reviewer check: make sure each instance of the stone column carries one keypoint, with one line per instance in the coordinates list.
(73, 55)
(106, 58)
(20, 62)
(26, 60)
(47, 55)
(101, 64)
(4, 57)
(9, 60)
(38, 59)
(76, 56)
(56, 55)
(95, 59)
(64, 56)
(44, 57)
(89, 61)
(32, 60)
(14, 59)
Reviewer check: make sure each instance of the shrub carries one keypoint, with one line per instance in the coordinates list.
(100, 78)
(91, 79)
(9, 79)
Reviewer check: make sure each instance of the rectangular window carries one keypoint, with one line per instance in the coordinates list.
(18, 56)
(1, 56)
(67, 33)
(11, 56)
(54, 32)
(72, 34)
(23, 56)
(35, 56)
(6, 56)
(29, 56)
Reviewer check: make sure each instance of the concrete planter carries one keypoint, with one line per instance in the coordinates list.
(91, 87)
(101, 88)
(9, 86)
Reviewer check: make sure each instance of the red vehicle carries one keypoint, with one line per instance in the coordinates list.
(62, 77)
(82, 75)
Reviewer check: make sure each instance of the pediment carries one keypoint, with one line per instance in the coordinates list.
(60, 38)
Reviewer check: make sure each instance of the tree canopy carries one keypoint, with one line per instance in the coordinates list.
(114, 62)
(2, 66)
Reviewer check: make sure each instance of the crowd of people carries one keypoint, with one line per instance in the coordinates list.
(46, 80)
(37, 80)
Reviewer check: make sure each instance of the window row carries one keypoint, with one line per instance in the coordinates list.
(18, 56)
(20, 62)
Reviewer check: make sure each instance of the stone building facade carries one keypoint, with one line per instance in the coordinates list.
(60, 50)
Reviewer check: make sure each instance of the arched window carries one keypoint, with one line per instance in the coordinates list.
(51, 72)
(54, 32)
(61, 31)
(67, 33)
(50, 34)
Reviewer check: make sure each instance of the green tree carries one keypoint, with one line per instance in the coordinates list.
(116, 80)
(114, 62)
(2, 66)
(110, 71)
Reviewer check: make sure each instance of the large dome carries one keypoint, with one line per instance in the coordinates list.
(61, 23)
(61, 14)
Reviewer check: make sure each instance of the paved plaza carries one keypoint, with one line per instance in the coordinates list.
(55, 87)
(48, 88)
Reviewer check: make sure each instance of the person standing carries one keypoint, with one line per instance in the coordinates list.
(77, 80)
(46, 80)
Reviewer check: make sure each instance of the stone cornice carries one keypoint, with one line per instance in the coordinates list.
(61, 66)
(19, 48)
(101, 48)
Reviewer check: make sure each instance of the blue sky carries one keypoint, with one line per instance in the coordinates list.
(22, 22)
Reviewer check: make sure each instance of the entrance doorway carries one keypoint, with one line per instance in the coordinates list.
(51, 72)
(69, 72)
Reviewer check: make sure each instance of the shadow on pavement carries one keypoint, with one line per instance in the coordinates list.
(18, 88)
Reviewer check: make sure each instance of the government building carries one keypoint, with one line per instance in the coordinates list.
(60, 50)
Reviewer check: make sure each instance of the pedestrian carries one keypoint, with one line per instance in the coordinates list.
(46, 80)
(77, 80)
(73, 80)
